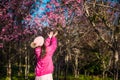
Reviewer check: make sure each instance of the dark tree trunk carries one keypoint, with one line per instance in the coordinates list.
(9, 70)
(115, 65)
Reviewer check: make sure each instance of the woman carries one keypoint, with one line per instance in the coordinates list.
(44, 67)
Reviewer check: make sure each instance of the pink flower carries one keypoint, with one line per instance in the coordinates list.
(1, 45)
(79, 1)
(3, 30)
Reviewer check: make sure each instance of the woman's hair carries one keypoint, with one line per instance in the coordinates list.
(45, 30)
(43, 51)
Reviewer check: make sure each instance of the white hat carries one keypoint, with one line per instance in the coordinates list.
(38, 41)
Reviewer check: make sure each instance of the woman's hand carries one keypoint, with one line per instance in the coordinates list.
(55, 34)
(50, 34)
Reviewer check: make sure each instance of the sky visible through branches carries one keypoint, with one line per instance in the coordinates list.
(41, 8)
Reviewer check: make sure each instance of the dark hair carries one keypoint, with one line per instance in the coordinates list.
(43, 52)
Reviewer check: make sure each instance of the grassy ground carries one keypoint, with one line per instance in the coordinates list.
(81, 77)
(32, 77)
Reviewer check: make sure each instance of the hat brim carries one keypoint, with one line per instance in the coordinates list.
(32, 45)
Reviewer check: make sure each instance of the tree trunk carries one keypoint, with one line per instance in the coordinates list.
(115, 65)
(20, 64)
(66, 66)
(9, 70)
(76, 66)
(115, 52)
(57, 71)
(26, 66)
(20, 59)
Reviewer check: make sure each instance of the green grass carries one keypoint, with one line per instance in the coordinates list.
(81, 77)
(31, 76)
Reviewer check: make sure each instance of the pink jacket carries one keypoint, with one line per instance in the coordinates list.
(45, 64)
